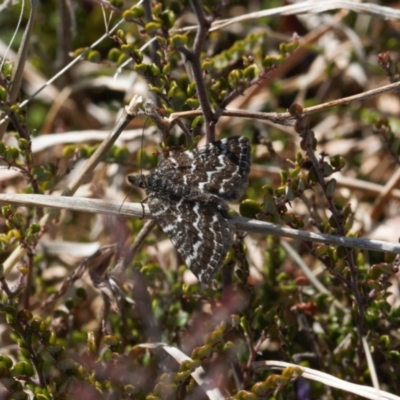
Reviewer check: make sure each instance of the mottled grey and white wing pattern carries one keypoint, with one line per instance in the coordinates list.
(221, 167)
(201, 234)
(186, 197)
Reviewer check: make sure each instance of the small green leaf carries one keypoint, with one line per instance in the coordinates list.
(199, 120)
(249, 208)
(135, 12)
(79, 51)
(191, 89)
(110, 340)
(207, 64)
(23, 144)
(22, 368)
(11, 154)
(338, 162)
(40, 173)
(166, 68)
(260, 389)
(140, 68)
(122, 59)
(6, 362)
(155, 89)
(152, 27)
(168, 18)
(128, 48)
(181, 376)
(178, 40)
(202, 352)
(153, 70)
(330, 188)
(7, 68)
(193, 103)
(251, 72)
(245, 395)
(94, 56)
(271, 61)
(137, 55)
(235, 78)
(3, 93)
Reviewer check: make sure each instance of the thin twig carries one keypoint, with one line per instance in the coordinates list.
(277, 118)
(141, 237)
(193, 57)
(286, 118)
(130, 210)
(353, 284)
(99, 154)
(313, 7)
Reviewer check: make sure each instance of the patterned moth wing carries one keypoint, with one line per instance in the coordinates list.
(220, 168)
(186, 197)
(200, 230)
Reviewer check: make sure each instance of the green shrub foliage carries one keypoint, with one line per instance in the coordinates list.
(89, 291)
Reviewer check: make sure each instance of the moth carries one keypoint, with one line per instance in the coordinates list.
(187, 196)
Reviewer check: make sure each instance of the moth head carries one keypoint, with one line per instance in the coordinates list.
(138, 181)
